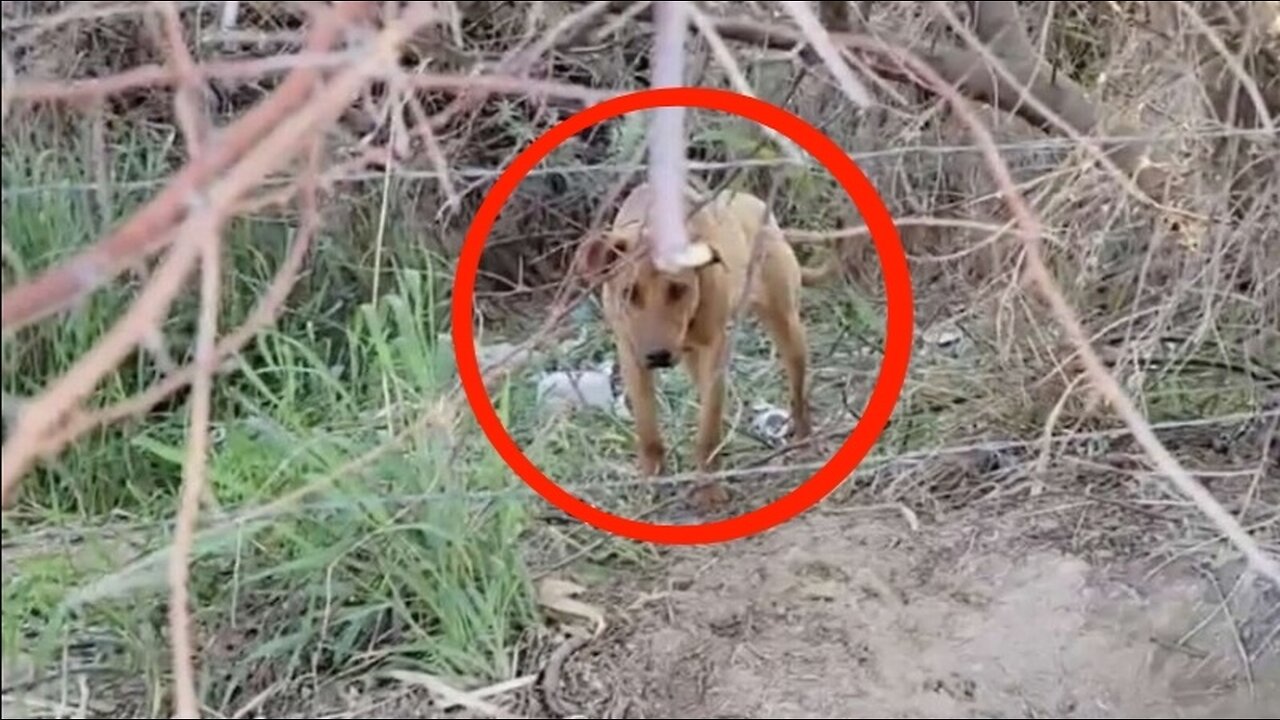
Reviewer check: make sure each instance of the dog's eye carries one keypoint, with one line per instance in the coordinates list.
(676, 291)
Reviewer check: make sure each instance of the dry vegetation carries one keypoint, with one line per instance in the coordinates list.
(238, 466)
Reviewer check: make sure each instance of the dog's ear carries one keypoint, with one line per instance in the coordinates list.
(598, 254)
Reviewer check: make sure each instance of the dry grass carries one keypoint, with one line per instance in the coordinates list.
(374, 128)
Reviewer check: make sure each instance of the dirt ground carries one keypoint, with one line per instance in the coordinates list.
(854, 614)
(868, 612)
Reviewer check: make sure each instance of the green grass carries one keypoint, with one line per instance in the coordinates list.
(412, 559)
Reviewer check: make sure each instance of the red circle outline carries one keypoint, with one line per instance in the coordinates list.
(899, 316)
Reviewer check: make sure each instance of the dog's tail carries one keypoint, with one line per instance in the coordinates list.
(812, 276)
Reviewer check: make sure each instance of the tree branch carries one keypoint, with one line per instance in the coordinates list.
(1139, 161)
(822, 44)
(999, 25)
(667, 142)
(148, 230)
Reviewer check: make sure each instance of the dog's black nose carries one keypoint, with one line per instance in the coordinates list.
(659, 359)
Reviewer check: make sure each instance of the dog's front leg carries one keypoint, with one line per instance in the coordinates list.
(707, 369)
(708, 375)
(637, 380)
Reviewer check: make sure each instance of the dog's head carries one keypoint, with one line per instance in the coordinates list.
(655, 307)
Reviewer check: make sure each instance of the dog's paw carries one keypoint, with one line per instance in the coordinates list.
(801, 432)
(709, 497)
(652, 460)
(801, 428)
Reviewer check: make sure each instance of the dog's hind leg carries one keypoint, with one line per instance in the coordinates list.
(638, 383)
(787, 330)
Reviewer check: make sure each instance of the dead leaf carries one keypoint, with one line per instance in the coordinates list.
(823, 590)
(557, 595)
(647, 598)
(447, 696)
(910, 516)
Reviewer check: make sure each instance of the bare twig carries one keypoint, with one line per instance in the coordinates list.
(998, 24)
(1233, 63)
(1003, 85)
(708, 30)
(450, 696)
(35, 24)
(667, 142)
(147, 76)
(1020, 87)
(187, 102)
(435, 153)
(821, 42)
(522, 60)
(813, 236)
(147, 230)
(6, 84)
(230, 14)
(490, 84)
(186, 701)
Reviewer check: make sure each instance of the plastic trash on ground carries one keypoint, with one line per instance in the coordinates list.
(945, 339)
(770, 423)
(572, 390)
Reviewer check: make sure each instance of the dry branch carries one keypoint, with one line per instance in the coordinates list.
(1069, 110)
(194, 469)
(739, 80)
(521, 61)
(667, 141)
(187, 102)
(999, 25)
(148, 230)
(1000, 69)
(158, 76)
(820, 40)
(43, 415)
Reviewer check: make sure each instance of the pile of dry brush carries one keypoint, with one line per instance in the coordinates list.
(279, 103)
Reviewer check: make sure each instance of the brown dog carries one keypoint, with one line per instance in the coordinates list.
(661, 319)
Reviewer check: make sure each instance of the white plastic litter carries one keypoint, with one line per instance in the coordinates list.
(488, 356)
(570, 390)
(946, 339)
(620, 407)
(770, 423)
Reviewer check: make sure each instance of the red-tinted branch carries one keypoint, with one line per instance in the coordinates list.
(148, 230)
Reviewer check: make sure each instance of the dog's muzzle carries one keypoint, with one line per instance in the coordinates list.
(659, 359)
